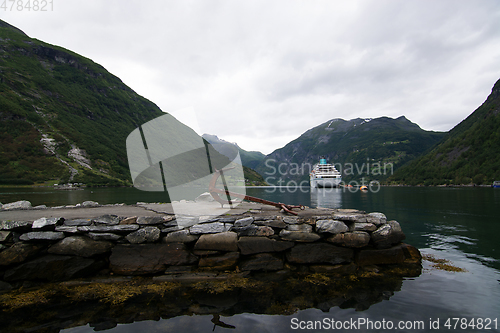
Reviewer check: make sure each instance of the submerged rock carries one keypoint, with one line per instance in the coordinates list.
(221, 263)
(262, 262)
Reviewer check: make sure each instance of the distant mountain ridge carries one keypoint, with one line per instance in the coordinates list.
(361, 143)
(469, 154)
(249, 159)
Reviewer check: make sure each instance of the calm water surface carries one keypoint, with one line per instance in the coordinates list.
(458, 224)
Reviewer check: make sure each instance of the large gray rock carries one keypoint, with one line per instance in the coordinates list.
(245, 222)
(253, 230)
(376, 218)
(144, 235)
(209, 228)
(90, 203)
(220, 263)
(363, 226)
(67, 229)
(150, 220)
(253, 245)
(103, 236)
(148, 258)
(78, 222)
(15, 225)
(23, 204)
(187, 221)
(278, 224)
(80, 246)
(111, 228)
(318, 253)
(262, 262)
(4, 235)
(47, 223)
(331, 226)
(299, 236)
(19, 252)
(349, 217)
(290, 219)
(387, 235)
(181, 236)
(53, 268)
(42, 236)
(107, 220)
(225, 241)
(299, 227)
(355, 239)
(392, 255)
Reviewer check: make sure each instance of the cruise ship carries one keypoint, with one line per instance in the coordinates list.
(324, 175)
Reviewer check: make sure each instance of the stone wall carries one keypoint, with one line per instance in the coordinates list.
(336, 241)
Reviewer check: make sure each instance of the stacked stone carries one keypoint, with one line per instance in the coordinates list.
(52, 249)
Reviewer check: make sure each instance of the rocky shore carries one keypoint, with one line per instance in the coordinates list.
(103, 265)
(185, 248)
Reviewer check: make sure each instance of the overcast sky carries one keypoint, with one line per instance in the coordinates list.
(260, 73)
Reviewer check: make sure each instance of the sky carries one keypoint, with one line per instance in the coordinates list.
(260, 73)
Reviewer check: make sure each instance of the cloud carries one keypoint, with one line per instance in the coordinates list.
(261, 73)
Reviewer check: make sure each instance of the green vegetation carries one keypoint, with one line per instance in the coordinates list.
(54, 102)
(467, 155)
(45, 89)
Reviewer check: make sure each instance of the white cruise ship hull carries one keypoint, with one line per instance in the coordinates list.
(325, 182)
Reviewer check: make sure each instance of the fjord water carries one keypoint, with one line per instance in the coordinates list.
(461, 225)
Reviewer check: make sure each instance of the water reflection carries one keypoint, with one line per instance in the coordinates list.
(326, 197)
(265, 294)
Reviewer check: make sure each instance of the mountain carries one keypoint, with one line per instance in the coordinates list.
(468, 154)
(64, 118)
(360, 148)
(249, 159)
